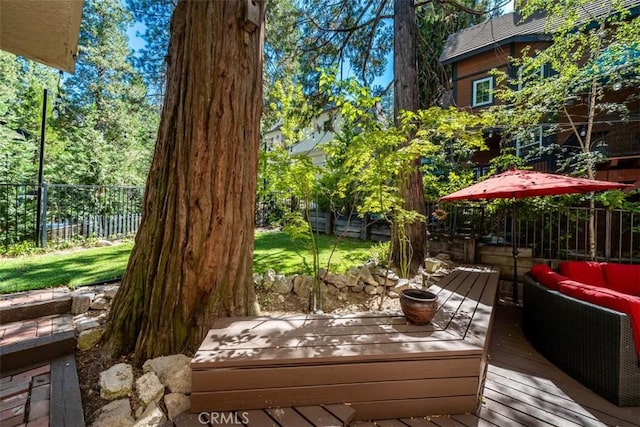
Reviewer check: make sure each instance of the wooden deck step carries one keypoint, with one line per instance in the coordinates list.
(33, 341)
(33, 310)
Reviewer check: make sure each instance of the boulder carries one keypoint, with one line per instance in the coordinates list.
(103, 243)
(366, 277)
(332, 290)
(114, 414)
(353, 276)
(443, 257)
(173, 371)
(282, 284)
(402, 283)
(111, 291)
(81, 302)
(391, 277)
(393, 294)
(371, 290)
(302, 285)
(149, 388)
(151, 417)
(268, 279)
(176, 404)
(357, 288)
(99, 303)
(83, 322)
(116, 382)
(257, 279)
(338, 280)
(89, 338)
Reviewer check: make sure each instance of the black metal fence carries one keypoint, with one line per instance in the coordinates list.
(562, 233)
(555, 234)
(68, 212)
(75, 212)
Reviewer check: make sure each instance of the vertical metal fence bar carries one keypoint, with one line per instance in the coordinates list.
(620, 235)
(631, 238)
(586, 236)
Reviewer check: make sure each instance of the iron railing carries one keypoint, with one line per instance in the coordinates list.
(68, 212)
(562, 233)
(107, 212)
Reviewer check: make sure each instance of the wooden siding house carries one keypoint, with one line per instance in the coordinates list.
(472, 53)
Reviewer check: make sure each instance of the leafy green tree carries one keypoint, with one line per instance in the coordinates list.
(358, 34)
(593, 59)
(106, 122)
(22, 84)
(378, 158)
(150, 61)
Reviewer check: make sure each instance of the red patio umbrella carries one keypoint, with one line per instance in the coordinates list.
(517, 184)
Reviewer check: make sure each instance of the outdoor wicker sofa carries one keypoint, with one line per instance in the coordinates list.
(593, 344)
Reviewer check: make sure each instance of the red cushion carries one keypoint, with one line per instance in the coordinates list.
(624, 278)
(588, 272)
(546, 276)
(608, 298)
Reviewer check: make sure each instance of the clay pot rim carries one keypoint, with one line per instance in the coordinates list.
(428, 296)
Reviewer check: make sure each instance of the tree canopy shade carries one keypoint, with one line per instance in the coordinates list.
(192, 258)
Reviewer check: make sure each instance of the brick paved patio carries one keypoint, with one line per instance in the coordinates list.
(24, 398)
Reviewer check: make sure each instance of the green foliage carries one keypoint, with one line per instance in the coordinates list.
(377, 158)
(150, 60)
(20, 249)
(436, 21)
(381, 252)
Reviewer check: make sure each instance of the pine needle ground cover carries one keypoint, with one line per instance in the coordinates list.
(273, 250)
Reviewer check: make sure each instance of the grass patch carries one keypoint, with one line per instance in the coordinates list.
(276, 250)
(73, 268)
(272, 250)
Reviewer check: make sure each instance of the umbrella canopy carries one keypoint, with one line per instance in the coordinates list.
(520, 184)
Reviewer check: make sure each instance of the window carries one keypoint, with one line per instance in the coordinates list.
(530, 146)
(327, 126)
(521, 79)
(482, 92)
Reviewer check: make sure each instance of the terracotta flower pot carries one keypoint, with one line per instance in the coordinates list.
(418, 306)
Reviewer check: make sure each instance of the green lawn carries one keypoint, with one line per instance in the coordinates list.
(74, 268)
(277, 251)
(272, 250)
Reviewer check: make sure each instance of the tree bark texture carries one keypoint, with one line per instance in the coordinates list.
(406, 98)
(192, 258)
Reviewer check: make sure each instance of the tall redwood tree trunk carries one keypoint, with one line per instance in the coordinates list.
(192, 259)
(406, 98)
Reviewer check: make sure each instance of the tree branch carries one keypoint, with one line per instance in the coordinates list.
(453, 3)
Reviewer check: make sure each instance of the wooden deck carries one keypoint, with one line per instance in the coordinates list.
(521, 388)
(379, 364)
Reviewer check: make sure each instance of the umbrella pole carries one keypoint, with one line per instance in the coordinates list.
(515, 255)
